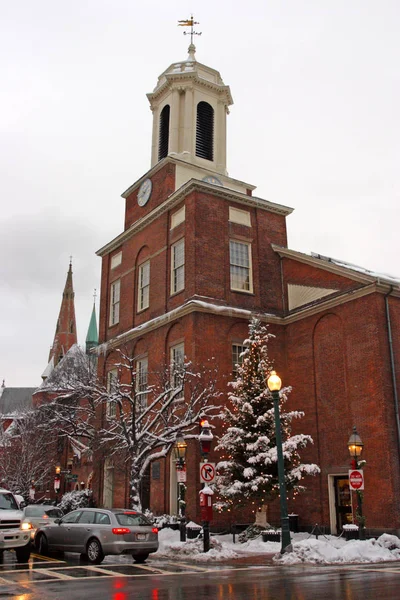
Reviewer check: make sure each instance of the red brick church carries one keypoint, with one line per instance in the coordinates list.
(200, 254)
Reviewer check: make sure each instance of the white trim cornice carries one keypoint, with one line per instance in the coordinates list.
(179, 195)
(200, 306)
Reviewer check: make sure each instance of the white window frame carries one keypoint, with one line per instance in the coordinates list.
(178, 217)
(236, 215)
(237, 265)
(237, 350)
(115, 295)
(178, 266)
(142, 371)
(112, 377)
(144, 286)
(116, 260)
(177, 359)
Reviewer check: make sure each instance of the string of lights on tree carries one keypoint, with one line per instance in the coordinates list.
(248, 470)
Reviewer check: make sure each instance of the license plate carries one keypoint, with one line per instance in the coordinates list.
(141, 536)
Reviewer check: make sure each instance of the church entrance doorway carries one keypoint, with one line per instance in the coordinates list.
(341, 511)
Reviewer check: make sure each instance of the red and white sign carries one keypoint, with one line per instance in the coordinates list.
(181, 475)
(356, 479)
(207, 472)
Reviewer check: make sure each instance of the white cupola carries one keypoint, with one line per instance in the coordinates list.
(190, 103)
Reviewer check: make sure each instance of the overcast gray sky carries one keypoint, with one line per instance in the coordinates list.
(315, 125)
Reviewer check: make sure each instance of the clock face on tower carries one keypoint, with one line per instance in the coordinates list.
(144, 192)
(212, 179)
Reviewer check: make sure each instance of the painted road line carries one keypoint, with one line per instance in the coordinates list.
(47, 558)
(105, 571)
(202, 569)
(53, 573)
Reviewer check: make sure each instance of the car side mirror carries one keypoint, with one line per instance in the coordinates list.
(22, 504)
(58, 521)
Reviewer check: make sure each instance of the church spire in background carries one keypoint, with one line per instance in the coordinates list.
(92, 338)
(65, 335)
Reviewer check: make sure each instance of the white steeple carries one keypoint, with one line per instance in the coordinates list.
(190, 103)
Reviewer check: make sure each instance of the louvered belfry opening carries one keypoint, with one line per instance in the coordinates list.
(205, 131)
(164, 133)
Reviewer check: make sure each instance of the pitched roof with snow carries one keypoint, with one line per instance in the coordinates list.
(74, 366)
(14, 400)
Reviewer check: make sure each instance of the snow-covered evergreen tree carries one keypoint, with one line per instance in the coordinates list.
(249, 469)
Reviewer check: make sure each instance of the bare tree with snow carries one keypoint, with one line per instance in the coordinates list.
(26, 454)
(142, 423)
(248, 470)
(125, 417)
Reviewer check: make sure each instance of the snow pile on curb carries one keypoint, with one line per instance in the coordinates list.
(306, 549)
(331, 550)
(193, 549)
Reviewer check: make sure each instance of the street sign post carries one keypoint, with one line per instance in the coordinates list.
(207, 472)
(356, 479)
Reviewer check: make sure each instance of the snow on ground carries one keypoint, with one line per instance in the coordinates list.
(306, 549)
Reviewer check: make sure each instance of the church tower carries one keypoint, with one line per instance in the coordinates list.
(65, 335)
(190, 103)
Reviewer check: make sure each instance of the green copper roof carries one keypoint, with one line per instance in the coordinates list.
(92, 334)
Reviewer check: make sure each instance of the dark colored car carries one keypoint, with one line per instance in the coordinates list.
(96, 532)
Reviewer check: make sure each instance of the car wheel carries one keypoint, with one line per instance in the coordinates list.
(94, 552)
(140, 558)
(23, 553)
(41, 544)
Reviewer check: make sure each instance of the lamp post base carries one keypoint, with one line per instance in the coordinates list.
(206, 536)
(286, 540)
(182, 529)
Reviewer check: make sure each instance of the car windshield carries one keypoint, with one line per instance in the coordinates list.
(40, 511)
(131, 518)
(7, 501)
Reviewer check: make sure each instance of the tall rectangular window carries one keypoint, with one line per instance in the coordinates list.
(142, 381)
(178, 266)
(237, 359)
(114, 302)
(144, 286)
(177, 359)
(240, 264)
(112, 379)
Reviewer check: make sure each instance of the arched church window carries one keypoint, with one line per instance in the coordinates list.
(71, 327)
(205, 131)
(164, 133)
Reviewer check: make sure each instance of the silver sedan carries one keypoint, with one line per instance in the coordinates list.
(95, 532)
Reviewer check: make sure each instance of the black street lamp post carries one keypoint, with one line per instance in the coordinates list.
(355, 447)
(274, 385)
(180, 448)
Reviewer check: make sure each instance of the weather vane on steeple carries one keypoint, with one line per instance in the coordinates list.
(189, 23)
(94, 295)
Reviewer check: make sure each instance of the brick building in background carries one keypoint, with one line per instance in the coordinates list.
(200, 255)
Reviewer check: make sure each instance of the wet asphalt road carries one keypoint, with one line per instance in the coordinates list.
(120, 579)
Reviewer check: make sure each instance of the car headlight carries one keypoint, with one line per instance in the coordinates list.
(26, 525)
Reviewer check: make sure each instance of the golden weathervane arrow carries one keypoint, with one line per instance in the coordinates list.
(189, 23)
